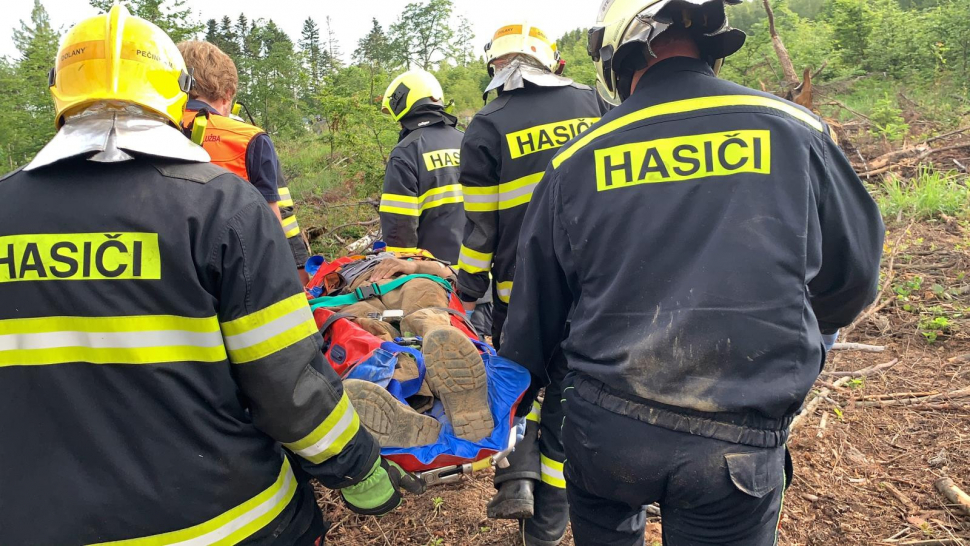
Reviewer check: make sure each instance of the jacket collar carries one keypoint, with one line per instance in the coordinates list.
(425, 117)
(659, 74)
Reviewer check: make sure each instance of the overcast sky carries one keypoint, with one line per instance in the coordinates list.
(350, 19)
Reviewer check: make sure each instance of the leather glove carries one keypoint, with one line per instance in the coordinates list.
(525, 405)
(379, 492)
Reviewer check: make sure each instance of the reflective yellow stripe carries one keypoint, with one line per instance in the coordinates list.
(400, 210)
(684, 106)
(502, 197)
(473, 261)
(143, 339)
(408, 205)
(504, 291)
(551, 472)
(290, 227)
(534, 413)
(269, 330)
(403, 250)
(286, 200)
(230, 527)
(331, 436)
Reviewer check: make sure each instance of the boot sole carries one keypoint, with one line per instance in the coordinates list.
(456, 375)
(390, 421)
(511, 509)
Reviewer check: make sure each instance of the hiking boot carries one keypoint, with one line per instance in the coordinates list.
(456, 375)
(393, 424)
(513, 500)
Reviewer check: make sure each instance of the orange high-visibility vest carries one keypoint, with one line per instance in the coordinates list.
(226, 140)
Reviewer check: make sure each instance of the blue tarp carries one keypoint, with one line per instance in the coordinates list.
(506, 383)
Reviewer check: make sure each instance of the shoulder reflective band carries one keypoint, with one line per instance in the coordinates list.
(534, 412)
(504, 290)
(331, 436)
(409, 205)
(551, 472)
(80, 257)
(269, 330)
(546, 137)
(684, 106)
(502, 197)
(286, 200)
(290, 227)
(472, 261)
(145, 339)
(440, 159)
(231, 527)
(688, 157)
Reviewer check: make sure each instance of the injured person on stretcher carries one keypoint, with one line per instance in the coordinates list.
(413, 314)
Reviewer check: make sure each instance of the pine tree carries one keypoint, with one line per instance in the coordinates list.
(174, 17)
(31, 120)
(310, 47)
(331, 60)
(374, 52)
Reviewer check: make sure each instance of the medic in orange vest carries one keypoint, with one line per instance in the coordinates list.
(237, 146)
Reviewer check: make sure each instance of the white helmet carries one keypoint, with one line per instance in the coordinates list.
(619, 42)
(523, 39)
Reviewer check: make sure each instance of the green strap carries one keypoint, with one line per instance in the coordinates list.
(373, 291)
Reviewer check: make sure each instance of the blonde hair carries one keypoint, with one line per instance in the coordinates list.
(215, 73)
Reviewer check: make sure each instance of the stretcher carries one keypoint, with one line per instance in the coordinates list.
(451, 457)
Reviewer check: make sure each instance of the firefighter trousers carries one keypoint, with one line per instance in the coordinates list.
(539, 457)
(710, 491)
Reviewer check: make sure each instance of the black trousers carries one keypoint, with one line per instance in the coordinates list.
(711, 492)
(539, 456)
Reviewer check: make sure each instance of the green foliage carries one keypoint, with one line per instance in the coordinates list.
(172, 16)
(887, 119)
(929, 195)
(572, 48)
(423, 33)
(26, 109)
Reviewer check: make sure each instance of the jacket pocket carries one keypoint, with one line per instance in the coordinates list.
(757, 473)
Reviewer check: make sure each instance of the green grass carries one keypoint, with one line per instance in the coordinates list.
(929, 195)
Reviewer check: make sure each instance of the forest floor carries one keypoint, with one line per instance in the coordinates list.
(867, 453)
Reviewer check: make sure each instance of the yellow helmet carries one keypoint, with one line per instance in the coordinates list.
(119, 57)
(411, 89)
(523, 39)
(619, 42)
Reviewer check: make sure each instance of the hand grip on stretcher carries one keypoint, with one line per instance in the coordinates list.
(452, 474)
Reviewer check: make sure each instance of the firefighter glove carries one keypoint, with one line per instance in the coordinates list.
(379, 492)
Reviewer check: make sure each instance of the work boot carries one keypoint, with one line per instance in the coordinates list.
(513, 500)
(393, 424)
(456, 375)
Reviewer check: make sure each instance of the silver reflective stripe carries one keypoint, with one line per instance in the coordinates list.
(465, 258)
(486, 198)
(245, 519)
(328, 440)
(440, 196)
(269, 330)
(518, 192)
(109, 340)
(391, 201)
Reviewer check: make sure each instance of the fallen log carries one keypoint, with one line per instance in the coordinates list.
(858, 347)
(954, 494)
(894, 395)
(864, 371)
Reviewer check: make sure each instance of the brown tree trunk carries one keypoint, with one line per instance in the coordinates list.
(791, 77)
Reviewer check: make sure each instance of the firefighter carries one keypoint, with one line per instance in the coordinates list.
(505, 150)
(161, 380)
(239, 147)
(421, 203)
(701, 238)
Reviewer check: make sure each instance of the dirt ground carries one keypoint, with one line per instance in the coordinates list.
(864, 472)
